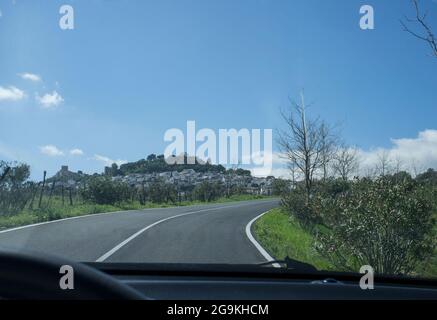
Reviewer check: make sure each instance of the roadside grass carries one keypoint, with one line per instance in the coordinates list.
(56, 210)
(282, 236)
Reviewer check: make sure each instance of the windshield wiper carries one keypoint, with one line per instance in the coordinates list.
(291, 264)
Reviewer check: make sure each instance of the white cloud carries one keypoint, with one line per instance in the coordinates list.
(51, 150)
(49, 101)
(11, 93)
(76, 152)
(1, 14)
(30, 76)
(412, 154)
(279, 166)
(107, 161)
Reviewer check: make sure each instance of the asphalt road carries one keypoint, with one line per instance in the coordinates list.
(196, 234)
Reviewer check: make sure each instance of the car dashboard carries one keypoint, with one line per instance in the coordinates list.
(194, 282)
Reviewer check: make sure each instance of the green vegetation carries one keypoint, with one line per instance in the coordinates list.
(385, 219)
(154, 163)
(101, 191)
(24, 202)
(207, 191)
(281, 235)
(429, 267)
(57, 210)
(14, 190)
(388, 222)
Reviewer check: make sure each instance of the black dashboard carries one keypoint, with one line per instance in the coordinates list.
(192, 282)
(188, 288)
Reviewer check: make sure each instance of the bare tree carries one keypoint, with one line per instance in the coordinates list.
(398, 164)
(425, 34)
(384, 164)
(302, 142)
(370, 172)
(416, 168)
(329, 141)
(293, 172)
(345, 162)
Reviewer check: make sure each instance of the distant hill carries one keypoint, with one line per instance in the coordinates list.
(64, 175)
(154, 163)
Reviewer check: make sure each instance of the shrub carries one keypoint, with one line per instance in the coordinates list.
(430, 177)
(386, 223)
(280, 187)
(331, 187)
(160, 191)
(15, 190)
(296, 204)
(102, 190)
(207, 191)
(309, 212)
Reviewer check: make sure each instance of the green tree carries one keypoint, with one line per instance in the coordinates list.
(160, 191)
(102, 190)
(280, 187)
(430, 177)
(15, 190)
(207, 191)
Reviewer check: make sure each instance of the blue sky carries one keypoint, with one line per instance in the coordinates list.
(130, 70)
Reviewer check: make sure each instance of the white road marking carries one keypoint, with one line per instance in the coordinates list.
(264, 253)
(122, 244)
(80, 217)
(65, 219)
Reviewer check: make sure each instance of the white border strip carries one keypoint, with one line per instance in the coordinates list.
(264, 253)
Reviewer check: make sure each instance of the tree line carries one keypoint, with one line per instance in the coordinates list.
(385, 218)
(18, 194)
(156, 163)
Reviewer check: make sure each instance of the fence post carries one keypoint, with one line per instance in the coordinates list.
(71, 198)
(51, 193)
(42, 189)
(34, 192)
(63, 200)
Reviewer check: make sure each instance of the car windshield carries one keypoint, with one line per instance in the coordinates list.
(232, 132)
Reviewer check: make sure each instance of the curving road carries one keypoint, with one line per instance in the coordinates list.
(195, 234)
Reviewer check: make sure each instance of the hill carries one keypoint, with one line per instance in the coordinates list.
(157, 164)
